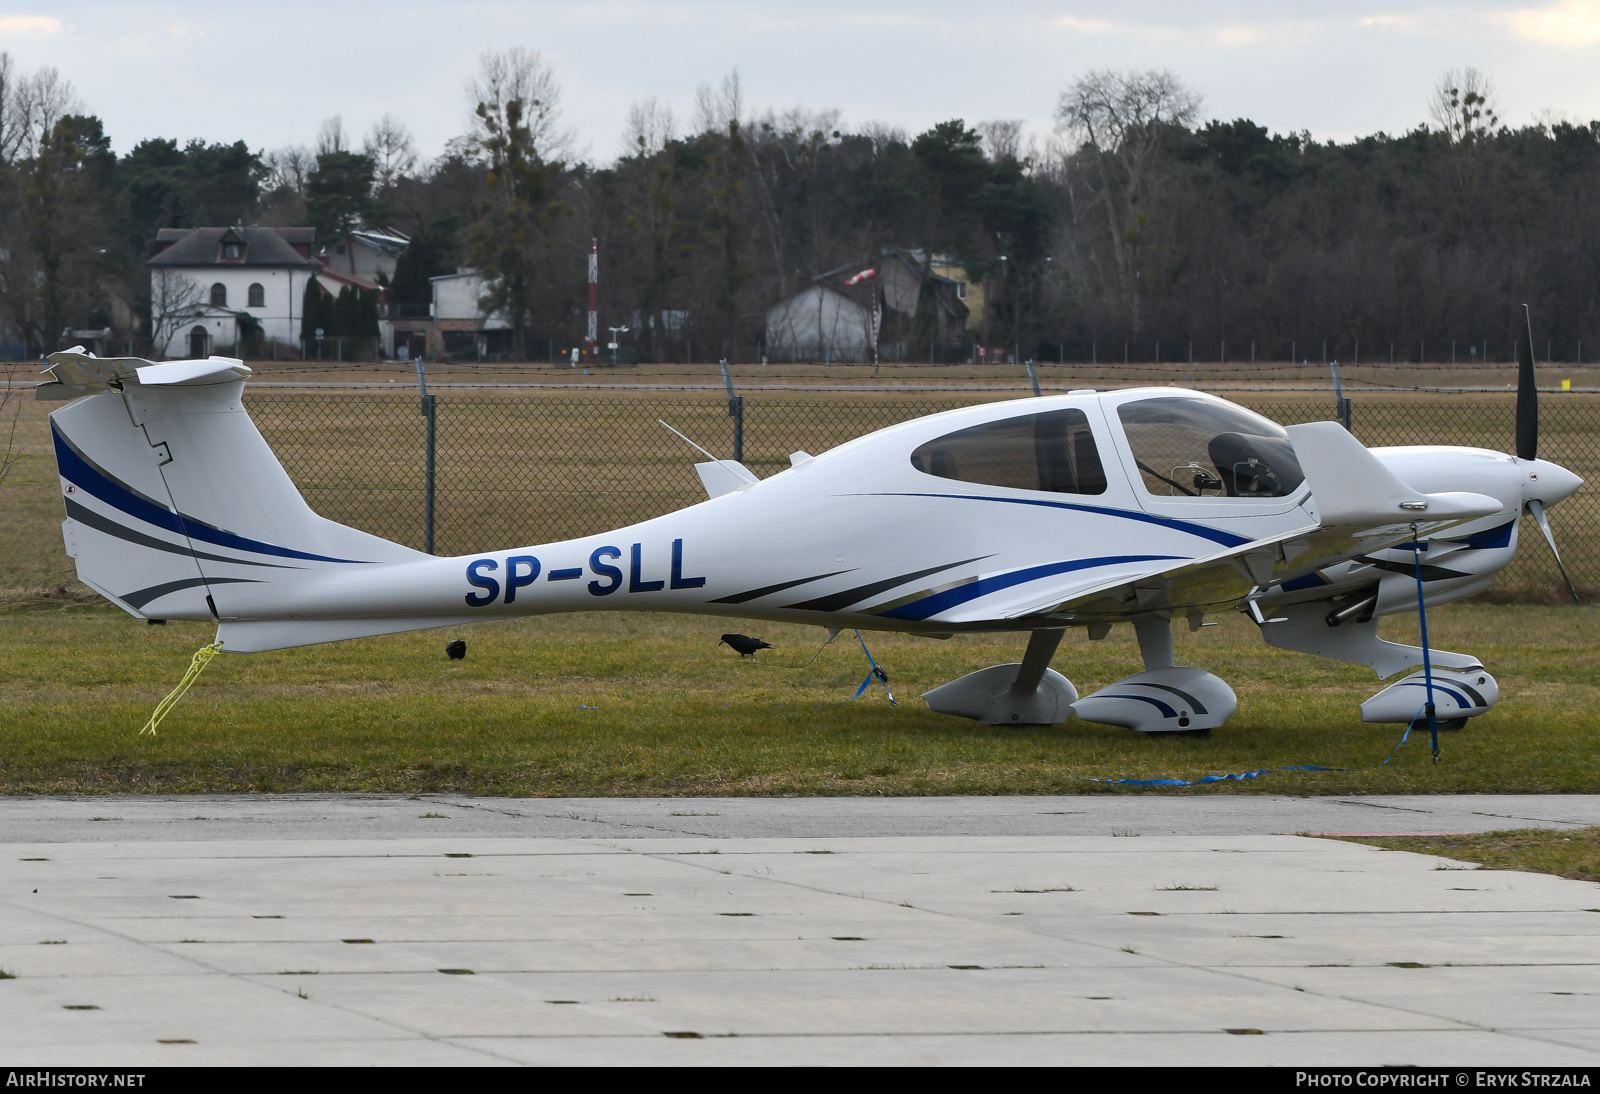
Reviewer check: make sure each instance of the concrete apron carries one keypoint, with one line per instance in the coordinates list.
(666, 947)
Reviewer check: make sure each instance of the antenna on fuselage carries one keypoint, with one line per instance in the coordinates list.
(707, 455)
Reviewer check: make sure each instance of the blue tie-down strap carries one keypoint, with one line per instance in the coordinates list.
(1406, 736)
(873, 673)
(1239, 777)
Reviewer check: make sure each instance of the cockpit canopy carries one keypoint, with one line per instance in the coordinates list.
(1205, 448)
(1053, 451)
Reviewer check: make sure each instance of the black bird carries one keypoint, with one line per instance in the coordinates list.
(744, 645)
(457, 649)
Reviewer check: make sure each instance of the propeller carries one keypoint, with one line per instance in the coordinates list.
(1527, 397)
(1536, 508)
(1528, 440)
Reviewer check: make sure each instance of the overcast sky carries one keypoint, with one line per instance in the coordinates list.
(270, 73)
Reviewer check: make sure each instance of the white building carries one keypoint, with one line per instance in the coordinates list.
(365, 254)
(460, 327)
(821, 324)
(205, 279)
(902, 303)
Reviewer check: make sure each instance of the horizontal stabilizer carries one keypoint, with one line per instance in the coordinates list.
(213, 370)
(73, 373)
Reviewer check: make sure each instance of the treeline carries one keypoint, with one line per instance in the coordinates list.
(1138, 230)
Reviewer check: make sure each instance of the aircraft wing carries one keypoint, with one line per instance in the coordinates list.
(1357, 505)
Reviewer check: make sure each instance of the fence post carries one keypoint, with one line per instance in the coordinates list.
(430, 418)
(1341, 405)
(735, 411)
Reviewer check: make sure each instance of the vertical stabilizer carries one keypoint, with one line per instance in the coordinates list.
(176, 506)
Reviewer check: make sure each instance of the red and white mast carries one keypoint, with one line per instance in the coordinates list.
(591, 344)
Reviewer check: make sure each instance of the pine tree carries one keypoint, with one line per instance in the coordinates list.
(316, 309)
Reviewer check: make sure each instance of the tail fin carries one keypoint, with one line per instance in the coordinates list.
(176, 506)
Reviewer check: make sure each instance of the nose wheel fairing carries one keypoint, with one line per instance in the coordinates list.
(1457, 696)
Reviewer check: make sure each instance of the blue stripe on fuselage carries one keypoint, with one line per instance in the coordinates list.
(949, 598)
(1493, 537)
(77, 468)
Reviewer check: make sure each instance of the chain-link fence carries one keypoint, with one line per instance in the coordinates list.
(522, 466)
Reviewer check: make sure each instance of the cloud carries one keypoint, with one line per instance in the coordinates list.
(1568, 23)
(30, 24)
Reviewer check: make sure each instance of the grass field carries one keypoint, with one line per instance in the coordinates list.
(1539, 850)
(605, 704)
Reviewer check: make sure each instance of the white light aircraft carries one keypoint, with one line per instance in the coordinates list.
(1147, 506)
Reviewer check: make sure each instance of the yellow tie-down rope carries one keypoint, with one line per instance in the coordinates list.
(202, 658)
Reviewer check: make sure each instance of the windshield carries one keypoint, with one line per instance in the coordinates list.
(1198, 448)
(1053, 451)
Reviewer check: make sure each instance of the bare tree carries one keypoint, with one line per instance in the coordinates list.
(651, 127)
(1120, 120)
(10, 132)
(1002, 138)
(715, 111)
(522, 76)
(331, 138)
(288, 168)
(30, 107)
(394, 154)
(1463, 106)
(175, 300)
(880, 134)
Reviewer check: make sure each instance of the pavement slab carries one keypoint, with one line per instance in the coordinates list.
(123, 818)
(1001, 931)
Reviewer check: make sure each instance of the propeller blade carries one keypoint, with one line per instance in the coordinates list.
(1527, 396)
(1536, 507)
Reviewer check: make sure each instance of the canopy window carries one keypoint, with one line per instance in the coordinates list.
(1053, 451)
(1202, 449)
